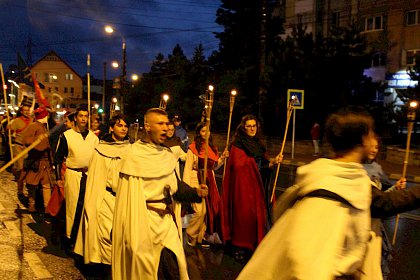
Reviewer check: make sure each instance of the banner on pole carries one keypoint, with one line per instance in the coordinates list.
(298, 94)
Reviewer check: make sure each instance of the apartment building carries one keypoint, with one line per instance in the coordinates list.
(392, 29)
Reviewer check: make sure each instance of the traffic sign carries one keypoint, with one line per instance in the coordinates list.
(298, 94)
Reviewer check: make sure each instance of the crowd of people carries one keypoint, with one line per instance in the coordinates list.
(124, 200)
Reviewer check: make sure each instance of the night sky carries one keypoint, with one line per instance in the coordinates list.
(75, 28)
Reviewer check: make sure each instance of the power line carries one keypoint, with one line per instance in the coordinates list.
(132, 13)
(111, 22)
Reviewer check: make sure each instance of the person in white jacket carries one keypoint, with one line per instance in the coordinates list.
(322, 223)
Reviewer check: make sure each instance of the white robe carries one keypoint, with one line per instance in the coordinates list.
(94, 236)
(80, 153)
(317, 238)
(138, 234)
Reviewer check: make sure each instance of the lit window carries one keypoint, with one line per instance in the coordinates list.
(69, 76)
(51, 78)
(375, 23)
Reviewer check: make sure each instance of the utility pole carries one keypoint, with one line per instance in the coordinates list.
(262, 90)
(124, 76)
(103, 93)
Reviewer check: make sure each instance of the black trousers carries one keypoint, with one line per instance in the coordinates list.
(168, 266)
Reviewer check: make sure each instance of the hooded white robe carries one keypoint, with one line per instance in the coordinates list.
(139, 234)
(317, 238)
(94, 236)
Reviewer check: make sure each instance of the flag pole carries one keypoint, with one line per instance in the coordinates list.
(290, 109)
(411, 117)
(88, 90)
(231, 104)
(7, 110)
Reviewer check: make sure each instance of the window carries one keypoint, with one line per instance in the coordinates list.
(411, 56)
(335, 19)
(56, 89)
(379, 59)
(413, 17)
(69, 77)
(50, 77)
(49, 89)
(65, 90)
(375, 23)
(72, 91)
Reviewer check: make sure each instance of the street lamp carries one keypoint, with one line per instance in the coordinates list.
(109, 29)
(134, 77)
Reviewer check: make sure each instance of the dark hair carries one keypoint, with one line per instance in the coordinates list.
(240, 129)
(199, 141)
(116, 119)
(346, 128)
(79, 109)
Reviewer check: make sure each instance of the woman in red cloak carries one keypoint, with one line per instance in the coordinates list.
(245, 209)
(205, 224)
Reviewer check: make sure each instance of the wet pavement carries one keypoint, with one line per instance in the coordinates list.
(27, 250)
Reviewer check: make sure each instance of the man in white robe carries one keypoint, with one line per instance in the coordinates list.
(76, 147)
(323, 222)
(94, 237)
(147, 230)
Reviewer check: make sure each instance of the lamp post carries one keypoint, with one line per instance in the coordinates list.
(109, 29)
(103, 93)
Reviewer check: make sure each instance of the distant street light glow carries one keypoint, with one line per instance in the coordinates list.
(134, 77)
(115, 64)
(109, 29)
(414, 104)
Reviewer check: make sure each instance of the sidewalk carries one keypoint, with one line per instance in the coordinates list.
(393, 170)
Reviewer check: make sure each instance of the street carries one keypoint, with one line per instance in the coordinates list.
(26, 250)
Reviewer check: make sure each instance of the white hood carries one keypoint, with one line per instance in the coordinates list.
(348, 180)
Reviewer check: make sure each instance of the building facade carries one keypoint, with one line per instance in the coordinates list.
(391, 27)
(63, 85)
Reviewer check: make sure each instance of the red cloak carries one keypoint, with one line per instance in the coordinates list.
(244, 219)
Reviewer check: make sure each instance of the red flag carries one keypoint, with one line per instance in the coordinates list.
(38, 93)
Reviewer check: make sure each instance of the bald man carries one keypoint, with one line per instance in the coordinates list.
(147, 230)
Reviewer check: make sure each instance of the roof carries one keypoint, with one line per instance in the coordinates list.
(55, 54)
